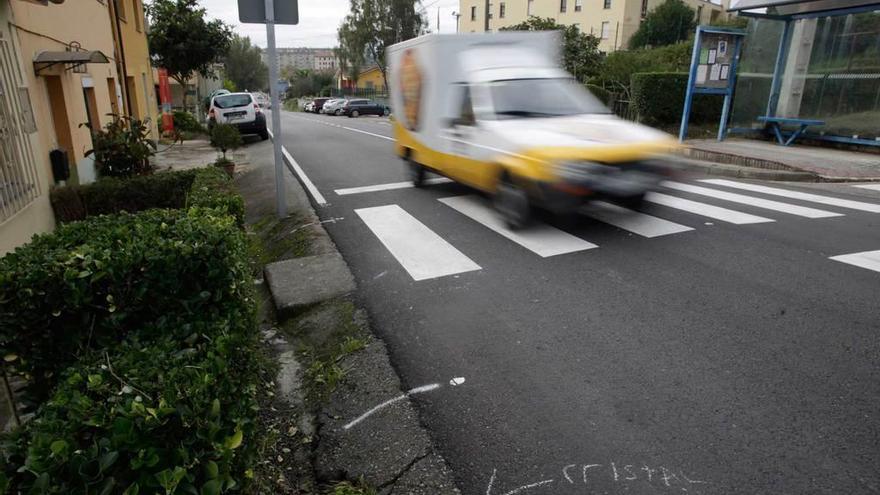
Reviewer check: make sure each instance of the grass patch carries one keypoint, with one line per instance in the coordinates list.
(348, 488)
(275, 240)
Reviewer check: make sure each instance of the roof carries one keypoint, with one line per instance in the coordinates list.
(792, 7)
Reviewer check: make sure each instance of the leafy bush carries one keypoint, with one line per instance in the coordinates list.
(670, 22)
(659, 99)
(212, 188)
(111, 195)
(165, 416)
(225, 137)
(89, 283)
(603, 94)
(186, 122)
(619, 66)
(122, 148)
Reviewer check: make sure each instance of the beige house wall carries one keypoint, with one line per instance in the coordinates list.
(623, 16)
(33, 28)
(133, 36)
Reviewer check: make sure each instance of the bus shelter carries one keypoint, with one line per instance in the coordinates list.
(809, 68)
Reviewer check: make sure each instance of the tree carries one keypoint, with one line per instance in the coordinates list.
(183, 42)
(373, 25)
(580, 51)
(670, 22)
(244, 65)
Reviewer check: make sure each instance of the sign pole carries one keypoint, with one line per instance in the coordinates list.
(280, 197)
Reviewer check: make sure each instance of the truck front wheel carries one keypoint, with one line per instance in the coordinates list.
(513, 204)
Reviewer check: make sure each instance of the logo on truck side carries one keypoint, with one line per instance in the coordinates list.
(411, 88)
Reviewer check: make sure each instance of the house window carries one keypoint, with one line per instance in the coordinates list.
(579, 5)
(644, 8)
(606, 30)
(137, 14)
(607, 4)
(120, 9)
(474, 12)
(501, 10)
(489, 12)
(529, 8)
(699, 13)
(563, 5)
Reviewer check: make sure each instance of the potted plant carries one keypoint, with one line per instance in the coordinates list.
(225, 137)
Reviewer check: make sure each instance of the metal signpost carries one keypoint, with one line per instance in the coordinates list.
(713, 71)
(272, 12)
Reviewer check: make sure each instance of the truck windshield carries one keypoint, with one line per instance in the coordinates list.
(524, 98)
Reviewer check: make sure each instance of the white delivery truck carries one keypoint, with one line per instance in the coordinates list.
(497, 113)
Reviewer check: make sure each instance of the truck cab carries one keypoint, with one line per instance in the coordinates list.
(497, 113)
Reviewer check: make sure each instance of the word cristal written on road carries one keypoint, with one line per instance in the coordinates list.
(588, 474)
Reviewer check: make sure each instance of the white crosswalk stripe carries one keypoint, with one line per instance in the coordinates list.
(637, 223)
(543, 240)
(785, 193)
(421, 252)
(389, 186)
(791, 209)
(865, 259)
(706, 210)
(874, 187)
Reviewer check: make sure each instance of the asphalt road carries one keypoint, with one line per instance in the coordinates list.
(729, 358)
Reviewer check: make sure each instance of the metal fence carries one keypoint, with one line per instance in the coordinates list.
(19, 184)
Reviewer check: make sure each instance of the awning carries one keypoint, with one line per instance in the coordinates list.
(72, 58)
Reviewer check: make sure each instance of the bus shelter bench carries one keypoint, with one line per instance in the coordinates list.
(775, 124)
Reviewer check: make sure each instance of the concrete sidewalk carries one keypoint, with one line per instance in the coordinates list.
(826, 164)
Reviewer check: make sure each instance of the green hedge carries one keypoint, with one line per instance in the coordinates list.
(603, 94)
(659, 99)
(87, 284)
(186, 122)
(206, 187)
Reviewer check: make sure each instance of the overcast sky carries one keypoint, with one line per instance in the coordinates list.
(318, 20)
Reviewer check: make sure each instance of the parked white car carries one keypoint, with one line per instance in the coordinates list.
(263, 100)
(334, 107)
(240, 110)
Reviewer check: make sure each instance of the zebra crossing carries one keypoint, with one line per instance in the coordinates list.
(425, 255)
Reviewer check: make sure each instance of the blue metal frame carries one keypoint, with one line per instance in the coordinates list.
(692, 76)
(781, 58)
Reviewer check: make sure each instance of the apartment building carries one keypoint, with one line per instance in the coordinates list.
(325, 60)
(612, 21)
(305, 58)
(61, 66)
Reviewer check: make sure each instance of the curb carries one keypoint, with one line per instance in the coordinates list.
(396, 466)
(698, 167)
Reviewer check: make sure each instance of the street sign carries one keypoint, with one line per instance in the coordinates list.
(254, 11)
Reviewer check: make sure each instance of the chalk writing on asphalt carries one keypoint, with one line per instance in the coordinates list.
(618, 473)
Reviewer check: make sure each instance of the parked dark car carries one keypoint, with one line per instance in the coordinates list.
(356, 108)
(319, 104)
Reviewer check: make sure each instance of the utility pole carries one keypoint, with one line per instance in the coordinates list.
(280, 195)
(456, 15)
(438, 19)
(486, 25)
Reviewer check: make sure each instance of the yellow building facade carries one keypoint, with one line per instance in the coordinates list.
(133, 56)
(612, 21)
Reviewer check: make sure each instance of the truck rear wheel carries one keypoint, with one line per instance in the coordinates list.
(416, 172)
(513, 204)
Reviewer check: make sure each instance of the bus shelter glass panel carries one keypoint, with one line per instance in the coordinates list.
(755, 73)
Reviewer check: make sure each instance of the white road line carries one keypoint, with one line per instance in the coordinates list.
(417, 390)
(542, 239)
(421, 252)
(367, 133)
(388, 186)
(310, 186)
(814, 198)
(706, 210)
(865, 259)
(635, 222)
(875, 187)
(791, 209)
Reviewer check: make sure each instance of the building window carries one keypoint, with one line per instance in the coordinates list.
(644, 8)
(606, 30)
(501, 10)
(607, 4)
(579, 5)
(529, 8)
(563, 5)
(474, 12)
(489, 12)
(120, 9)
(137, 14)
(699, 13)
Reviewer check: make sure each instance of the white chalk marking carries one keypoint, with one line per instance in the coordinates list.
(541, 239)
(459, 380)
(417, 390)
(874, 187)
(865, 259)
(421, 252)
(588, 466)
(389, 186)
(706, 210)
(785, 193)
(791, 209)
(635, 222)
(565, 472)
(515, 490)
(300, 173)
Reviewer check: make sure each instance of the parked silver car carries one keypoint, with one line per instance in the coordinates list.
(334, 107)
